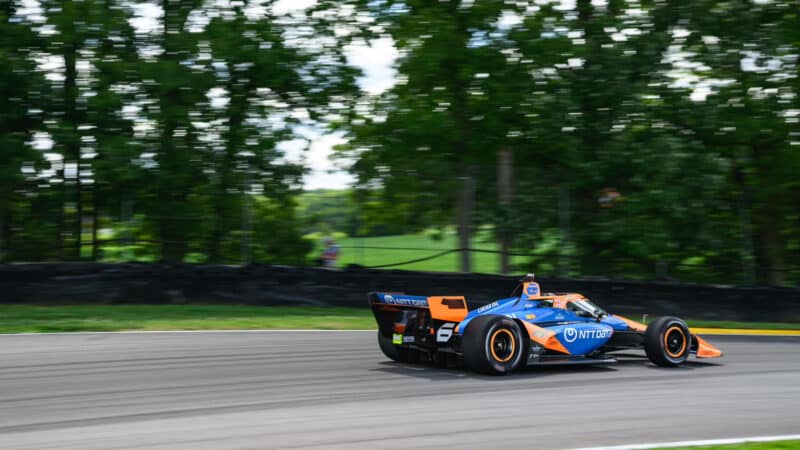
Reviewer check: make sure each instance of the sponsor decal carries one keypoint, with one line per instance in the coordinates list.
(404, 301)
(559, 316)
(530, 316)
(408, 339)
(487, 307)
(511, 315)
(571, 334)
(397, 339)
(535, 352)
(533, 289)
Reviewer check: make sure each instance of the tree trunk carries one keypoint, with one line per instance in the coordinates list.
(72, 141)
(247, 225)
(224, 207)
(564, 222)
(465, 206)
(95, 246)
(744, 207)
(60, 241)
(173, 244)
(5, 233)
(172, 204)
(175, 187)
(591, 136)
(462, 148)
(773, 251)
(505, 195)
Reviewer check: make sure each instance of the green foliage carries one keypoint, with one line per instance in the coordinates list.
(659, 137)
(645, 140)
(164, 132)
(325, 211)
(21, 100)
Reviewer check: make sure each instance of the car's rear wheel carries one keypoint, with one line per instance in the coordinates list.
(667, 341)
(396, 352)
(493, 345)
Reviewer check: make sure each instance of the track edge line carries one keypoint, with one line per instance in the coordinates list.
(724, 441)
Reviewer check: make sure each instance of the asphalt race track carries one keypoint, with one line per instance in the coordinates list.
(259, 390)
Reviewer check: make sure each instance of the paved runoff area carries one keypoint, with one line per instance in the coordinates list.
(306, 389)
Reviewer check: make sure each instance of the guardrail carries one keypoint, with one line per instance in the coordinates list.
(94, 283)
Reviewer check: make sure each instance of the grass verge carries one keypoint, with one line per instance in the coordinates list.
(744, 325)
(42, 319)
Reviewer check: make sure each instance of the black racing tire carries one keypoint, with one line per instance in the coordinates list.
(493, 345)
(395, 352)
(667, 341)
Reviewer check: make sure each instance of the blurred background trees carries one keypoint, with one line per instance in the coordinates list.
(648, 138)
(158, 123)
(629, 138)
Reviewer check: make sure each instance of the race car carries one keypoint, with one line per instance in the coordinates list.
(526, 329)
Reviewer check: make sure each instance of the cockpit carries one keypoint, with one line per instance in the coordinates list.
(579, 306)
(585, 308)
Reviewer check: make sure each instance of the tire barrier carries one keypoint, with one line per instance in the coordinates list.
(93, 283)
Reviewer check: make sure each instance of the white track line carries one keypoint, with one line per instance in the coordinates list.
(788, 437)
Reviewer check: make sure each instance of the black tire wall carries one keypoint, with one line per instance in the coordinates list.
(274, 285)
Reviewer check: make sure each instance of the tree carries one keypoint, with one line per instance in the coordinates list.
(174, 82)
(750, 50)
(431, 115)
(22, 91)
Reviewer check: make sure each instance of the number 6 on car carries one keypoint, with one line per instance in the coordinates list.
(527, 329)
(445, 332)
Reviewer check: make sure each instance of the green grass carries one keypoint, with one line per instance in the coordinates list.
(42, 319)
(777, 445)
(424, 246)
(39, 319)
(744, 325)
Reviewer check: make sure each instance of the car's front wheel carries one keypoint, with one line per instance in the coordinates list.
(667, 341)
(493, 345)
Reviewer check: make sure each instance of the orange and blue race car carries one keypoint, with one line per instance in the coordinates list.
(528, 328)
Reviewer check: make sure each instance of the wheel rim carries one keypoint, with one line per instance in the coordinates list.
(502, 345)
(674, 341)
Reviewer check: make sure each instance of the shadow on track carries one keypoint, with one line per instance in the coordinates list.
(433, 372)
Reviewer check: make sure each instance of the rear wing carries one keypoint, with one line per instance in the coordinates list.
(448, 308)
(417, 316)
